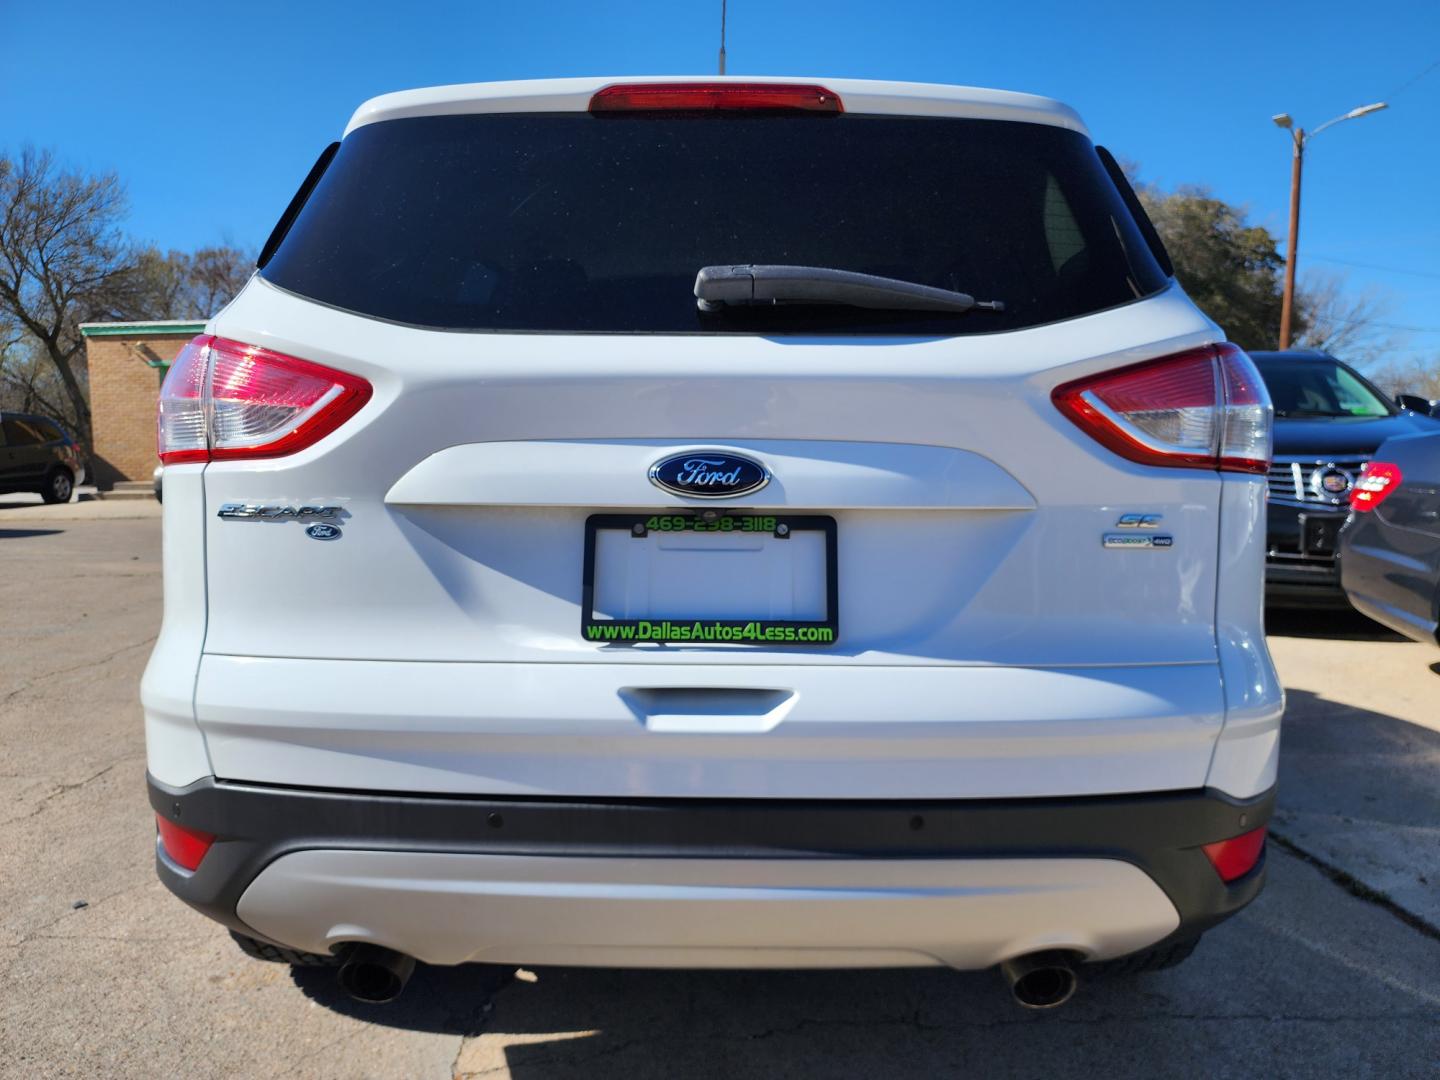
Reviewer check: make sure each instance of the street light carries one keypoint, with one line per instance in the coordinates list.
(1300, 138)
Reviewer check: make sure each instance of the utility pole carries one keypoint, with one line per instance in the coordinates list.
(1301, 139)
(1287, 298)
(722, 36)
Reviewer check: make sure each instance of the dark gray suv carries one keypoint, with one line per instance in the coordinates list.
(38, 455)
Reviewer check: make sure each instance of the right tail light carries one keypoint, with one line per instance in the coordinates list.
(1202, 409)
(1377, 481)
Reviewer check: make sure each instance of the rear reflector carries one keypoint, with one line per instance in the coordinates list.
(185, 847)
(223, 399)
(1236, 857)
(1377, 480)
(1202, 409)
(641, 97)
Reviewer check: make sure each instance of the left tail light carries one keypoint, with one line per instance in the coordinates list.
(224, 399)
(185, 847)
(1202, 409)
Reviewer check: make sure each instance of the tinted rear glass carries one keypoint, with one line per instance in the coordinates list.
(572, 222)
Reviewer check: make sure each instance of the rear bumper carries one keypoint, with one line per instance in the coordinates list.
(1306, 582)
(709, 883)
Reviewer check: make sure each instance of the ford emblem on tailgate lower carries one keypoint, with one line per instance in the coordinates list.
(709, 474)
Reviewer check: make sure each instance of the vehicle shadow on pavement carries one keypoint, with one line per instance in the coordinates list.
(1250, 1002)
(1358, 795)
(1319, 976)
(1344, 624)
(444, 1000)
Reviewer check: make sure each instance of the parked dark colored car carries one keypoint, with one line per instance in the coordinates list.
(38, 455)
(1390, 545)
(1328, 421)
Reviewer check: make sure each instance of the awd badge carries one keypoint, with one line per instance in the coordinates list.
(1138, 540)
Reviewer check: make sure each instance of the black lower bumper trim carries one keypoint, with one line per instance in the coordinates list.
(1160, 833)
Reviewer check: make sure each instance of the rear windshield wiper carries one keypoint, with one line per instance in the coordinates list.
(719, 287)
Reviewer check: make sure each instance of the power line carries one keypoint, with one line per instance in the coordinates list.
(1376, 266)
(1323, 320)
(1411, 81)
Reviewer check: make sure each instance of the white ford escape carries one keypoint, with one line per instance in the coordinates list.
(716, 523)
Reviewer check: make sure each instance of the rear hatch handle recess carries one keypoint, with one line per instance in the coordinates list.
(718, 287)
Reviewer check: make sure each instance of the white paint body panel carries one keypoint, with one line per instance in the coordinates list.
(971, 572)
(452, 909)
(612, 474)
(175, 750)
(588, 729)
(989, 644)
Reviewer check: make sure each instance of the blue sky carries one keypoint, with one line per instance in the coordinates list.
(212, 113)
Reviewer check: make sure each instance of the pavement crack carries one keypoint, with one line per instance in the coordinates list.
(62, 789)
(38, 933)
(88, 665)
(475, 1027)
(1357, 888)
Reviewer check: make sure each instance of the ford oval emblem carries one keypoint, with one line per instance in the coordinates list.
(709, 474)
(323, 531)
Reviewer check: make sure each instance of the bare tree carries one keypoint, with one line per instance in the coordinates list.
(1410, 375)
(213, 275)
(185, 285)
(63, 261)
(1344, 323)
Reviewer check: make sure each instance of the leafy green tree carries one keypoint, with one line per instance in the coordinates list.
(1233, 270)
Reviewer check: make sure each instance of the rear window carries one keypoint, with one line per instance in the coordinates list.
(569, 222)
(25, 432)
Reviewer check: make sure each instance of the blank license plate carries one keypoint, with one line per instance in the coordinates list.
(734, 579)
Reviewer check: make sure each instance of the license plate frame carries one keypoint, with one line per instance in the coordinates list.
(764, 633)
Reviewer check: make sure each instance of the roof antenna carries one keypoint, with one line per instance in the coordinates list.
(722, 37)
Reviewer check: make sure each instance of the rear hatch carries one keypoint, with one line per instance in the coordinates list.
(943, 575)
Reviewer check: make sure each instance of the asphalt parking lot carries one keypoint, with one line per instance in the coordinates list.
(1334, 971)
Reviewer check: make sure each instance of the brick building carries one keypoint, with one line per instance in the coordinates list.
(127, 363)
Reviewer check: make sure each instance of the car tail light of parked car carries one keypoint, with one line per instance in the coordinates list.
(1203, 409)
(1377, 482)
(225, 399)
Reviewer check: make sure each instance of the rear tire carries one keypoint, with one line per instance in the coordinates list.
(59, 486)
(1159, 958)
(279, 954)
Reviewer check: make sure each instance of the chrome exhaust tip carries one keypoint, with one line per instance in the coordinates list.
(374, 974)
(1043, 980)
